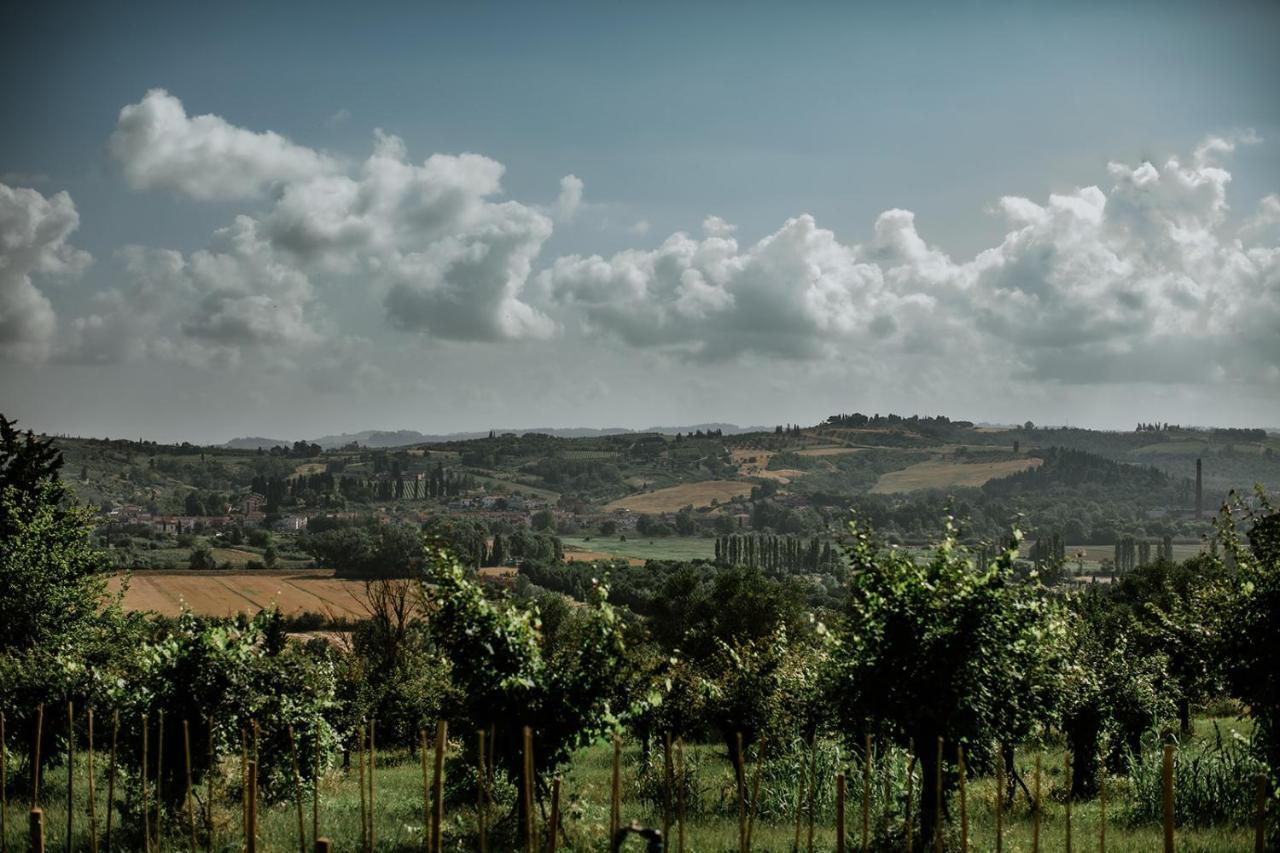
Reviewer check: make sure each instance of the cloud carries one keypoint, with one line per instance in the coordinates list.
(570, 198)
(1147, 281)
(160, 147)
(34, 230)
(338, 119)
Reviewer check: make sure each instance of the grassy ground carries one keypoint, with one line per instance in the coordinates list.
(661, 548)
(399, 808)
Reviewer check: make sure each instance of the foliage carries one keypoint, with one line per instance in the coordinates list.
(1213, 784)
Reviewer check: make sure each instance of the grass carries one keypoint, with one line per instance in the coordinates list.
(945, 473)
(585, 801)
(636, 548)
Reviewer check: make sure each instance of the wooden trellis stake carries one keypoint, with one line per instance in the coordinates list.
(999, 798)
(1035, 811)
(437, 811)
(755, 792)
(615, 790)
(111, 777)
(840, 813)
(667, 777)
(813, 788)
(315, 785)
(211, 774)
(1102, 807)
(1168, 797)
(35, 764)
(1066, 772)
(4, 798)
(93, 806)
(324, 845)
(35, 831)
(866, 793)
(146, 809)
(244, 786)
(964, 802)
(530, 824)
(911, 778)
(251, 838)
(427, 843)
(71, 772)
(191, 806)
(373, 760)
(159, 770)
(297, 791)
(680, 796)
(741, 771)
(364, 814)
(937, 802)
(1260, 827)
(482, 794)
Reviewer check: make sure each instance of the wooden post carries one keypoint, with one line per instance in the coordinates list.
(93, 806)
(615, 790)
(35, 764)
(428, 843)
(667, 776)
(680, 796)
(866, 793)
(911, 778)
(35, 832)
(373, 760)
(1102, 807)
(1168, 797)
(530, 825)
(755, 792)
(1035, 811)
(210, 774)
(315, 784)
(364, 813)
(251, 837)
(999, 798)
(111, 777)
(813, 788)
(437, 812)
(71, 772)
(800, 804)
(191, 807)
(482, 795)
(324, 845)
(1066, 772)
(159, 770)
(740, 771)
(840, 813)
(244, 786)
(937, 802)
(554, 826)
(4, 797)
(297, 790)
(964, 803)
(1260, 811)
(146, 809)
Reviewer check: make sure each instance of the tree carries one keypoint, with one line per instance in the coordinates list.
(940, 649)
(269, 556)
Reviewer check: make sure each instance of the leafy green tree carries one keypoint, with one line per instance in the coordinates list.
(938, 649)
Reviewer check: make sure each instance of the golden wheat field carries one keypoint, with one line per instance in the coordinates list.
(228, 593)
(944, 473)
(674, 498)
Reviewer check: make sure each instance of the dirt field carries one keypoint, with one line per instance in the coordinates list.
(596, 557)
(941, 474)
(755, 463)
(224, 594)
(828, 451)
(675, 497)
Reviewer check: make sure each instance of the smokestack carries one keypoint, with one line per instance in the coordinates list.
(1199, 491)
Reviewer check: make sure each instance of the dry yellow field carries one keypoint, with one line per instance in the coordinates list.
(828, 451)
(943, 473)
(228, 593)
(597, 557)
(676, 497)
(755, 463)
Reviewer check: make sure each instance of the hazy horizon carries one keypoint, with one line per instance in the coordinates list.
(299, 221)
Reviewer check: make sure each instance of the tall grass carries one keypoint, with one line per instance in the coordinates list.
(1213, 783)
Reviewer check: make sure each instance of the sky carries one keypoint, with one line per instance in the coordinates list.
(291, 220)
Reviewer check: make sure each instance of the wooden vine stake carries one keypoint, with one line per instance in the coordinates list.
(964, 803)
(530, 825)
(667, 778)
(840, 813)
(159, 770)
(813, 788)
(4, 798)
(554, 825)
(315, 785)
(364, 813)
(866, 793)
(740, 773)
(427, 843)
(111, 776)
(1260, 811)
(373, 759)
(146, 810)
(297, 791)
(251, 836)
(244, 785)
(71, 772)
(680, 796)
(937, 801)
(35, 763)
(615, 790)
(1168, 797)
(482, 795)
(191, 806)
(93, 807)
(1102, 807)
(999, 798)
(1035, 811)
(437, 811)
(35, 831)
(211, 773)
(1066, 773)
(911, 778)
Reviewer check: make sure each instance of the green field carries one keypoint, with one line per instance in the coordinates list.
(662, 548)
